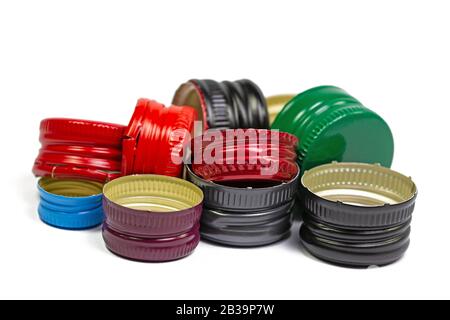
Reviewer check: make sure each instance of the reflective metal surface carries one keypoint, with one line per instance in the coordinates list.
(356, 214)
(70, 203)
(331, 125)
(150, 217)
(153, 193)
(359, 184)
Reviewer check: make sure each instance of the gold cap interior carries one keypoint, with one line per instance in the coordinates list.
(359, 184)
(155, 193)
(71, 187)
(276, 103)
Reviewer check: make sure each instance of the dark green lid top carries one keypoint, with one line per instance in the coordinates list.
(333, 126)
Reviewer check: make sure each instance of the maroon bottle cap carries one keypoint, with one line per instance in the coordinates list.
(149, 249)
(152, 205)
(151, 217)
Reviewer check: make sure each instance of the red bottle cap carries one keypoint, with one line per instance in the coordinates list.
(74, 148)
(245, 155)
(154, 135)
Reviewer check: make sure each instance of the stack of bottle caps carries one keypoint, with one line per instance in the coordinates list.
(78, 156)
(249, 194)
(75, 159)
(354, 213)
(324, 146)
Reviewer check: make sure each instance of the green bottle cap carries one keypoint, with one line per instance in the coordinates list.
(331, 126)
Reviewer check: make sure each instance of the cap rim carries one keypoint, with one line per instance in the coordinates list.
(243, 199)
(181, 200)
(339, 193)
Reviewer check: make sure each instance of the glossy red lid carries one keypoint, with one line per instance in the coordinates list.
(238, 155)
(154, 135)
(72, 148)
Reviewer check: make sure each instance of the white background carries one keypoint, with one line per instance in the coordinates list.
(93, 59)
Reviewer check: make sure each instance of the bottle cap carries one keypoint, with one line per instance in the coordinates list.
(331, 126)
(70, 203)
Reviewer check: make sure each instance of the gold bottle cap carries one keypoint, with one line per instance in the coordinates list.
(276, 103)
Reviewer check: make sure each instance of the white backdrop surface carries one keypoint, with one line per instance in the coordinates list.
(93, 59)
